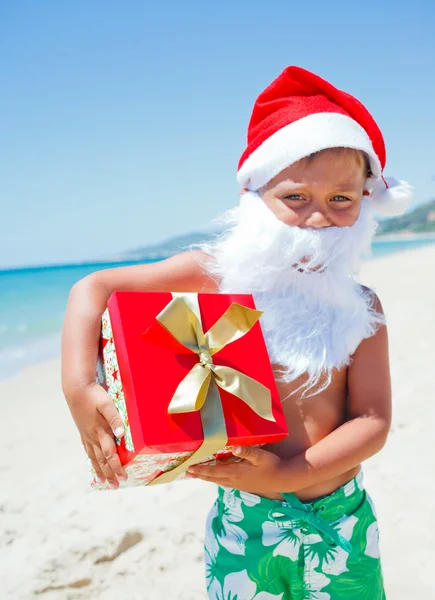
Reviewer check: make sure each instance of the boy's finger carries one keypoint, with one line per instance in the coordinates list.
(89, 451)
(223, 482)
(217, 472)
(108, 410)
(91, 454)
(255, 456)
(106, 468)
(108, 449)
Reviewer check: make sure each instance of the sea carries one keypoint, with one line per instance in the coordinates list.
(33, 300)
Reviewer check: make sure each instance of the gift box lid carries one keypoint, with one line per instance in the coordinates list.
(152, 366)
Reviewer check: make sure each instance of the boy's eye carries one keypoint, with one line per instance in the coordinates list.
(341, 199)
(294, 197)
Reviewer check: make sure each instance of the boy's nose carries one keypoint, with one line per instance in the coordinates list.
(317, 220)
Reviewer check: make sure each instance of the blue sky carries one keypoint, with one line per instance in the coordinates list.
(121, 123)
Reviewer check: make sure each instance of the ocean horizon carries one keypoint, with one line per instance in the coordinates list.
(33, 300)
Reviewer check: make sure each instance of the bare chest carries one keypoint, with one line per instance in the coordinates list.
(310, 419)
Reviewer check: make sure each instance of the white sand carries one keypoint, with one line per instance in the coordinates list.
(60, 540)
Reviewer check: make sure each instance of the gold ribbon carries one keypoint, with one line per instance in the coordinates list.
(199, 389)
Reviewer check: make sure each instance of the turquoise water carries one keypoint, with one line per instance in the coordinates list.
(32, 305)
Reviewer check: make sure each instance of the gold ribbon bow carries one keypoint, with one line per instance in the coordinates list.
(198, 390)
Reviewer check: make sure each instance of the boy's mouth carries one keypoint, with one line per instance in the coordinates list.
(301, 269)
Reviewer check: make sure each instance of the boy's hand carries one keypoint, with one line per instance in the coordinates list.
(258, 472)
(98, 422)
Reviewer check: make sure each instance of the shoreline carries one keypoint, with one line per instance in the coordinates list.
(404, 237)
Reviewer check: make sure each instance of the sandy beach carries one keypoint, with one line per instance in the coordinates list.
(61, 540)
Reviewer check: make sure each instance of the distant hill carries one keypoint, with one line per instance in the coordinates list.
(419, 220)
(169, 247)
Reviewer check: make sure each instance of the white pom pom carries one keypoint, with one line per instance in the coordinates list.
(394, 200)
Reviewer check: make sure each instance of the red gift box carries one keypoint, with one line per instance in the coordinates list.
(142, 366)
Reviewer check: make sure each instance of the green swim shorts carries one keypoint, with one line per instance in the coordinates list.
(261, 549)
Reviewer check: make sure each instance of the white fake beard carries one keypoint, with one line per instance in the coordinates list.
(313, 320)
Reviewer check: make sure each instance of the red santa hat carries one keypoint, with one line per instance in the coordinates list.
(300, 113)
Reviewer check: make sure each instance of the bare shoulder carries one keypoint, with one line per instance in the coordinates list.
(184, 272)
(376, 303)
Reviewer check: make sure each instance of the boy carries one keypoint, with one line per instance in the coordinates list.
(292, 520)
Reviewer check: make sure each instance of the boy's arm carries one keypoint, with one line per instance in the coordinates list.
(92, 409)
(362, 436)
(366, 431)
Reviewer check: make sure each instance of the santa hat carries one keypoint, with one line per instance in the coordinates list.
(300, 113)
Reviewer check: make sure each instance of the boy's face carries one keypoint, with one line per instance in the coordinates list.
(321, 191)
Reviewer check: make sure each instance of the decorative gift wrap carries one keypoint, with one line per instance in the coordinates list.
(190, 377)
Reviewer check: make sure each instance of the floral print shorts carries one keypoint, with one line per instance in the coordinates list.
(262, 549)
